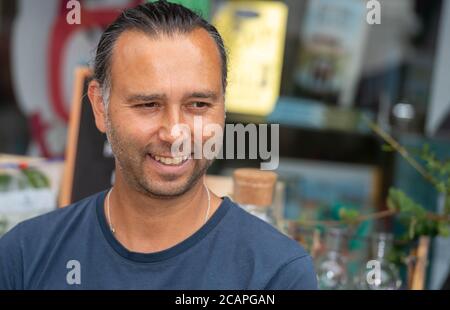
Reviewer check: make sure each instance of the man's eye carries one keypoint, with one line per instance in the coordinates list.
(200, 105)
(148, 105)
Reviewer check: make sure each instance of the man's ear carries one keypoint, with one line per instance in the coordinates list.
(95, 96)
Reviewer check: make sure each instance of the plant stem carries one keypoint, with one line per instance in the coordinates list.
(371, 216)
(402, 151)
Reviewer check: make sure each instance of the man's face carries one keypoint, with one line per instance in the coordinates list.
(157, 83)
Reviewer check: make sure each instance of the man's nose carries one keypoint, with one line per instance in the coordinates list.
(172, 117)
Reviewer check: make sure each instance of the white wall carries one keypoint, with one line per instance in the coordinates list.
(440, 95)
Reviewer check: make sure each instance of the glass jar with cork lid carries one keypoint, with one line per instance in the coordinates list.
(253, 190)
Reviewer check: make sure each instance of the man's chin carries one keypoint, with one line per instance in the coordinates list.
(168, 188)
(169, 185)
(164, 194)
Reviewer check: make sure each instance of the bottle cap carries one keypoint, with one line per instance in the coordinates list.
(254, 186)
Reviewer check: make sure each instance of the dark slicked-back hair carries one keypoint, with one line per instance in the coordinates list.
(153, 19)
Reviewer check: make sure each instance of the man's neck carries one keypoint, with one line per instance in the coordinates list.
(147, 224)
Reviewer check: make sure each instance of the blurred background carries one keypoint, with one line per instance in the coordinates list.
(360, 90)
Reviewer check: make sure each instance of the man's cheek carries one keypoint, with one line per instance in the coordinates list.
(212, 140)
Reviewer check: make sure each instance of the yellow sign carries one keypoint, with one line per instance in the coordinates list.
(254, 35)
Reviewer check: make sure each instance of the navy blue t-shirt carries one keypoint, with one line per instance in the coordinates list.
(72, 248)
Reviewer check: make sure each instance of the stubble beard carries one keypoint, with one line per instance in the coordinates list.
(130, 163)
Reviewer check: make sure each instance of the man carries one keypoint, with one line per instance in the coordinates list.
(157, 66)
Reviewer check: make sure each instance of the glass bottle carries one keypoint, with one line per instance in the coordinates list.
(331, 266)
(379, 273)
(254, 190)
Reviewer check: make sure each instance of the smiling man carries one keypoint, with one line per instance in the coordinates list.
(157, 66)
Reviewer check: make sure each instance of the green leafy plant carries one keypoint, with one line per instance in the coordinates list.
(415, 217)
(5, 179)
(35, 178)
(417, 220)
(28, 177)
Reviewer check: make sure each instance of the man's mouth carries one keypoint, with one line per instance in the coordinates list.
(170, 161)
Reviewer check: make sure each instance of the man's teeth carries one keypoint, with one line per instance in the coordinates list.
(171, 160)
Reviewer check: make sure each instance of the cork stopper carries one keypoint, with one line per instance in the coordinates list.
(254, 186)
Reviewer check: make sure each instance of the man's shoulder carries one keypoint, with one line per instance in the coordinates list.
(27, 246)
(280, 261)
(253, 232)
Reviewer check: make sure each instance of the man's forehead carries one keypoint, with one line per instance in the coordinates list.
(193, 55)
(138, 43)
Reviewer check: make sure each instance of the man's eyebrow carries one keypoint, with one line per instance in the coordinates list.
(202, 94)
(145, 97)
(152, 97)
